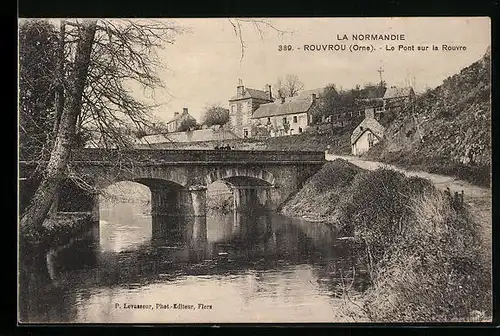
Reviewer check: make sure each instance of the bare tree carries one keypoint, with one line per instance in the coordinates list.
(36, 211)
(328, 104)
(101, 59)
(290, 86)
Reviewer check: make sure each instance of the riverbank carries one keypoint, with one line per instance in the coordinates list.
(59, 230)
(423, 247)
(318, 199)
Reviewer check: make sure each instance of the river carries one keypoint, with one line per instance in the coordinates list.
(236, 267)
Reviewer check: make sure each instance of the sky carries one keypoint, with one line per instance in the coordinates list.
(203, 65)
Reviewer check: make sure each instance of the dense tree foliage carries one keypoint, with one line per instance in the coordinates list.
(216, 115)
(188, 124)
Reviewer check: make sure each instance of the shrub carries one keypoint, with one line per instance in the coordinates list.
(422, 251)
(336, 174)
(377, 208)
(432, 272)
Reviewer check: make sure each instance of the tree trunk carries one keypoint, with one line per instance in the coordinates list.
(36, 211)
(60, 79)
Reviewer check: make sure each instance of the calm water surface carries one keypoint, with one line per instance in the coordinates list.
(258, 267)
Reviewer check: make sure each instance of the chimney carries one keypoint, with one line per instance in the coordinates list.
(176, 114)
(240, 88)
(185, 110)
(313, 96)
(268, 91)
(370, 113)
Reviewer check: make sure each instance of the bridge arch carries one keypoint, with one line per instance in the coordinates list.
(250, 173)
(149, 180)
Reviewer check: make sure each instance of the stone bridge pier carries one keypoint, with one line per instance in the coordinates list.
(178, 211)
(251, 198)
(190, 201)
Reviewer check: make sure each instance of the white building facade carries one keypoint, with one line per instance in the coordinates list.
(368, 133)
(285, 117)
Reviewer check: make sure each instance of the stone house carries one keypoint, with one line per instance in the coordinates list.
(243, 105)
(176, 122)
(286, 116)
(366, 134)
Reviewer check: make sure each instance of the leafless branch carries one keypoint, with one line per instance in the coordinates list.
(258, 24)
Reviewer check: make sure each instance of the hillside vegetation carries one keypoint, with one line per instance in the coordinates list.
(454, 121)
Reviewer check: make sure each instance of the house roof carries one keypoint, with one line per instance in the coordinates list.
(367, 124)
(292, 105)
(181, 115)
(372, 92)
(253, 93)
(395, 92)
(153, 138)
(209, 134)
(174, 118)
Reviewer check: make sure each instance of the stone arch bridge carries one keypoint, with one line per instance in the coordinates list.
(178, 179)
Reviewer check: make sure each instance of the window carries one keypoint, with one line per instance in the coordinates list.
(268, 120)
(232, 108)
(284, 120)
(371, 139)
(300, 130)
(295, 119)
(245, 133)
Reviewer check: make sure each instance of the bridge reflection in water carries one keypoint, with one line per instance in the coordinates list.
(243, 263)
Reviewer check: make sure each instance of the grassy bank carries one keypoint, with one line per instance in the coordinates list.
(319, 197)
(337, 141)
(422, 249)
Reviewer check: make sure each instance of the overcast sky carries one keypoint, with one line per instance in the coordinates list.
(204, 64)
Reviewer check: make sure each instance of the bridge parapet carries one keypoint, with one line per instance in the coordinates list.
(168, 157)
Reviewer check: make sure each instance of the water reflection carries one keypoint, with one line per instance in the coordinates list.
(249, 267)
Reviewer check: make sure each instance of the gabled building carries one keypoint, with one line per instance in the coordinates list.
(286, 116)
(243, 105)
(396, 97)
(366, 134)
(371, 97)
(176, 122)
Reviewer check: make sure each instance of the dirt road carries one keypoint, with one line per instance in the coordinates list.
(478, 198)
